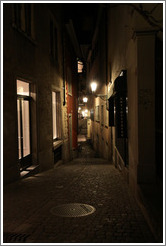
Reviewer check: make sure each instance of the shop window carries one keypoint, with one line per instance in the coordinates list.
(56, 115)
(23, 123)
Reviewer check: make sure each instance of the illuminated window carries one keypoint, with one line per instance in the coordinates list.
(23, 123)
(56, 115)
(80, 66)
(22, 88)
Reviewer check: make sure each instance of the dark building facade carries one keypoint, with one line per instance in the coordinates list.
(125, 61)
(36, 72)
(43, 89)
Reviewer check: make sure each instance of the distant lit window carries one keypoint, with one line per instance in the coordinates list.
(80, 66)
(22, 88)
(56, 112)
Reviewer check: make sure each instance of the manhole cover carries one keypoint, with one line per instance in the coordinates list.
(72, 210)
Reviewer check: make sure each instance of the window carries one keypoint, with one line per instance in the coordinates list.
(53, 42)
(23, 121)
(102, 114)
(79, 66)
(106, 115)
(97, 113)
(22, 88)
(23, 17)
(56, 115)
(92, 114)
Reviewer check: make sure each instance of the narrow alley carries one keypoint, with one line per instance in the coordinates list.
(44, 208)
(83, 121)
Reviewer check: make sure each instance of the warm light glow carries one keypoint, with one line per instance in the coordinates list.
(86, 111)
(93, 86)
(85, 99)
(22, 88)
(79, 108)
(80, 66)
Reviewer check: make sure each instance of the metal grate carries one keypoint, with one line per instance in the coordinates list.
(72, 210)
(9, 237)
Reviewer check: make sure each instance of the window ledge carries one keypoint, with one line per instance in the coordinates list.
(57, 144)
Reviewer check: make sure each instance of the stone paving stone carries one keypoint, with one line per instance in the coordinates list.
(117, 219)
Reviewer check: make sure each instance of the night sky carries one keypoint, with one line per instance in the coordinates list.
(84, 19)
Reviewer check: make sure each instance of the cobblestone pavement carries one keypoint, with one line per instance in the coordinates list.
(28, 206)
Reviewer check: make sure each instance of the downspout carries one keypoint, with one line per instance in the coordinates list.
(63, 65)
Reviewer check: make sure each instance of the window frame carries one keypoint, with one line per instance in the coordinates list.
(23, 15)
(58, 116)
(97, 113)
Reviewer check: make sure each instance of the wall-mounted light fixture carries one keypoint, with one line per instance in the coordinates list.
(93, 86)
(85, 99)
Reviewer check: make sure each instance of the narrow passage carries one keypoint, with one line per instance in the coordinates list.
(30, 205)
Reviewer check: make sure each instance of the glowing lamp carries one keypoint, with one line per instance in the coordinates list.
(85, 99)
(93, 86)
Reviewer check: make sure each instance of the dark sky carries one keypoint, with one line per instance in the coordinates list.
(84, 19)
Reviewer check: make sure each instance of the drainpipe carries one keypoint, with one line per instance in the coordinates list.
(63, 65)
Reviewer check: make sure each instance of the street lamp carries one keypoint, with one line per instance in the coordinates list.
(85, 99)
(93, 86)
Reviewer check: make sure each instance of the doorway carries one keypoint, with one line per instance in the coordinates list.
(23, 119)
